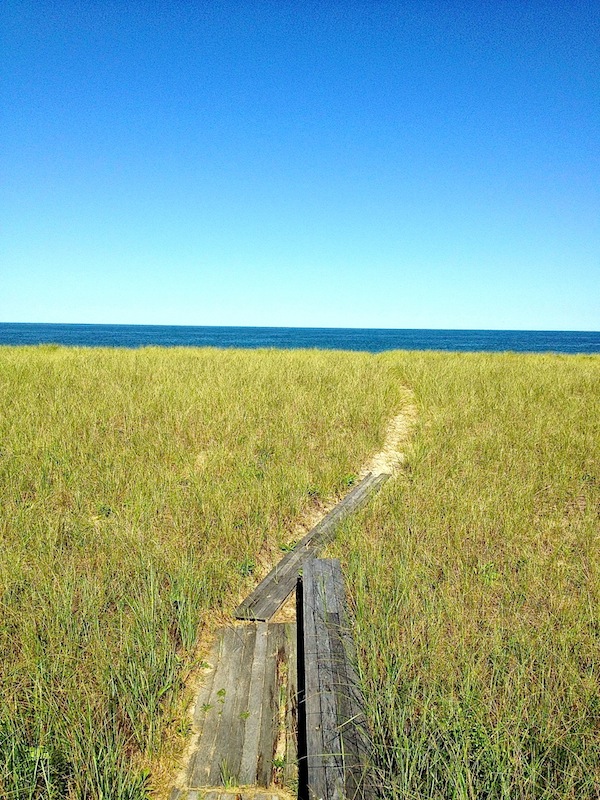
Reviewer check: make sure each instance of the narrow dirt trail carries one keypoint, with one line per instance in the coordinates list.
(388, 460)
(391, 456)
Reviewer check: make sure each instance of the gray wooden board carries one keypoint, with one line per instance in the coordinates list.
(280, 582)
(270, 705)
(238, 707)
(323, 744)
(314, 738)
(333, 762)
(279, 688)
(225, 762)
(209, 707)
(290, 771)
(273, 590)
(254, 722)
(337, 739)
(215, 703)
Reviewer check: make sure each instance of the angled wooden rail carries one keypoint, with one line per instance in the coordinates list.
(334, 759)
(272, 592)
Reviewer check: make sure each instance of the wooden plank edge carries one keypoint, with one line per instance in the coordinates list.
(285, 573)
(282, 569)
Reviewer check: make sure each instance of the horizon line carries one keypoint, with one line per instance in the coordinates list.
(301, 327)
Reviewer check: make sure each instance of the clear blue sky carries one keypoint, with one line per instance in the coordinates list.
(342, 163)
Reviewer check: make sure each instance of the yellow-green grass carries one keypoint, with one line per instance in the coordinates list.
(140, 488)
(475, 579)
(138, 491)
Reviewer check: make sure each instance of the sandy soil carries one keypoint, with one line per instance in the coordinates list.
(391, 457)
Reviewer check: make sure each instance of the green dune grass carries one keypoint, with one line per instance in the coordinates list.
(141, 490)
(475, 578)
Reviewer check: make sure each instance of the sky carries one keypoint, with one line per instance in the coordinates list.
(323, 164)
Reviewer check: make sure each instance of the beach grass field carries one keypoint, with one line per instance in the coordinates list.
(140, 491)
(475, 579)
(143, 491)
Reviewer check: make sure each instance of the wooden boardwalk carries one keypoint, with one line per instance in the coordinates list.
(245, 714)
(272, 592)
(335, 763)
(280, 706)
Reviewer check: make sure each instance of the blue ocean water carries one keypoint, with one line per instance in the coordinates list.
(372, 340)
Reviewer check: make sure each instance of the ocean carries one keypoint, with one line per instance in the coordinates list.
(371, 340)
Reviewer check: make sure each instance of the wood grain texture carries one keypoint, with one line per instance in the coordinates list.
(337, 741)
(254, 721)
(290, 771)
(270, 703)
(249, 691)
(225, 761)
(209, 708)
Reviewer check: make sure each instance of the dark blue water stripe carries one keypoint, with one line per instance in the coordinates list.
(359, 339)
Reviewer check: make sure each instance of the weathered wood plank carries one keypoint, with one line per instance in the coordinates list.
(290, 771)
(282, 669)
(278, 584)
(254, 722)
(225, 763)
(333, 762)
(323, 743)
(310, 696)
(341, 768)
(270, 703)
(274, 589)
(272, 592)
(208, 713)
(239, 708)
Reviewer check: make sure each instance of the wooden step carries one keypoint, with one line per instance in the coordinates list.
(245, 713)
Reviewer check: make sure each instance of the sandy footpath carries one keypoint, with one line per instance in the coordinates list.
(391, 456)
